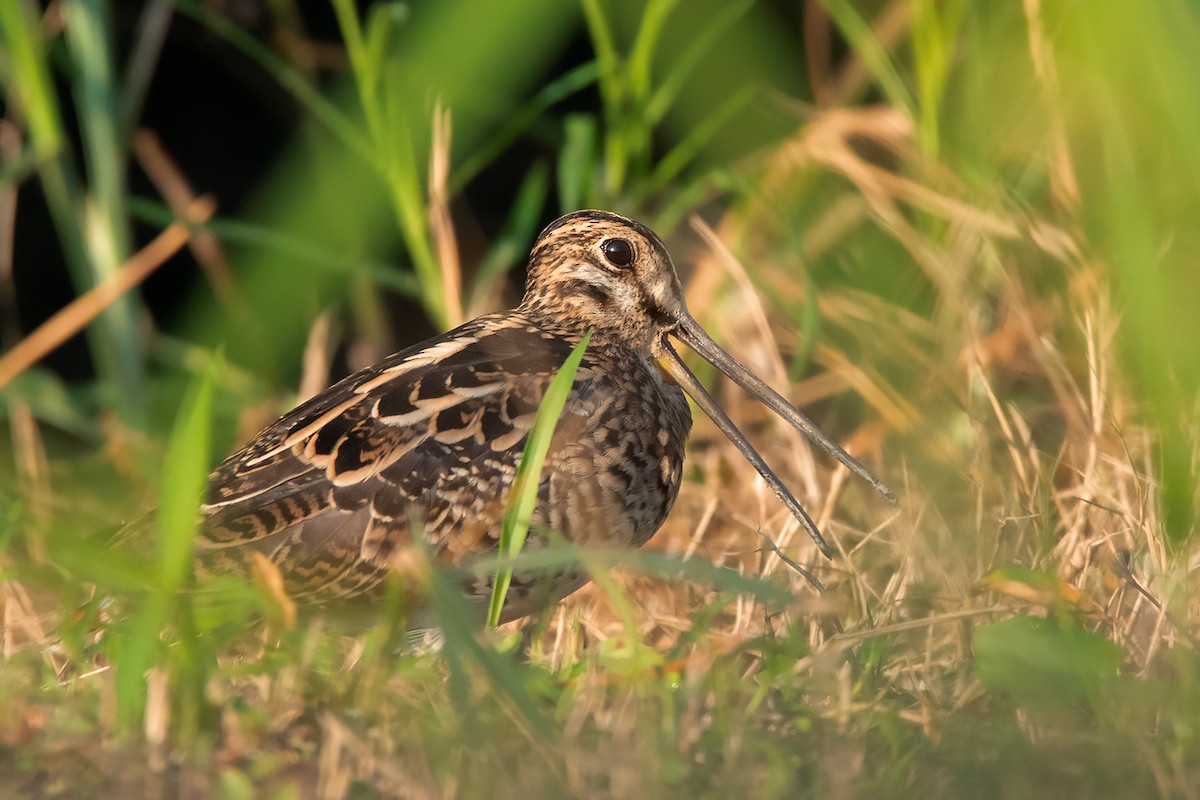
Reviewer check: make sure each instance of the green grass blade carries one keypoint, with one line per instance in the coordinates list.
(523, 497)
(184, 474)
(641, 56)
(132, 652)
(576, 162)
(559, 89)
(606, 52)
(563, 554)
(858, 33)
(519, 229)
(677, 160)
(613, 91)
(461, 647)
(154, 22)
(397, 148)
(112, 337)
(681, 67)
(635, 127)
(934, 33)
(27, 69)
(384, 20)
(106, 229)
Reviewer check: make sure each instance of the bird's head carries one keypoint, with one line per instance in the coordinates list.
(600, 271)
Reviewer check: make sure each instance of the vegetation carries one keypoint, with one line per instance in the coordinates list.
(964, 234)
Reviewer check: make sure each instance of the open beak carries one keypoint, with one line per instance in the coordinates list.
(690, 333)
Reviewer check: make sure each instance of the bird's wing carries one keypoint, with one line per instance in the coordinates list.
(427, 440)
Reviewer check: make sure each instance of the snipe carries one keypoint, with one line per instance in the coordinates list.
(427, 441)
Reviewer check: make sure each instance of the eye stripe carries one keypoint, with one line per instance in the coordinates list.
(595, 292)
(652, 309)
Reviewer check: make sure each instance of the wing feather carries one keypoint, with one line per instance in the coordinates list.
(426, 441)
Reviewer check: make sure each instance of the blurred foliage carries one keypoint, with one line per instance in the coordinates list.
(1046, 665)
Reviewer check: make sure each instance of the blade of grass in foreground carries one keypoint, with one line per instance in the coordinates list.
(184, 474)
(105, 222)
(138, 644)
(510, 680)
(523, 497)
(564, 554)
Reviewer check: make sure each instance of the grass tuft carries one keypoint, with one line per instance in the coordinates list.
(522, 498)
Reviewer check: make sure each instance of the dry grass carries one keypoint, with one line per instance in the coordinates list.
(987, 387)
(1063, 483)
(1059, 479)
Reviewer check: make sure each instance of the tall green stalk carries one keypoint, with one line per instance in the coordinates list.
(91, 222)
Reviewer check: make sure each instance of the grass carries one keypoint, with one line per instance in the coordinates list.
(972, 262)
(523, 498)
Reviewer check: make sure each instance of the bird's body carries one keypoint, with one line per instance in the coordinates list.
(425, 444)
(428, 442)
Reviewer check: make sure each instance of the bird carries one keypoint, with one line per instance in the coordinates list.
(423, 447)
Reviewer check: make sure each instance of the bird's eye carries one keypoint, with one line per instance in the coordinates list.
(618, 252)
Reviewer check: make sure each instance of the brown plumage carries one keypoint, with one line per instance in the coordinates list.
(429, 439)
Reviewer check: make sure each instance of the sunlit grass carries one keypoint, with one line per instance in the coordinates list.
(973, 262)
(523, 497)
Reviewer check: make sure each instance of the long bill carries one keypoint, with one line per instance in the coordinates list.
(691, 334)
(690, 384)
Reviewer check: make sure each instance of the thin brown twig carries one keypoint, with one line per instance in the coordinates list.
(174, 187)
(1063, 182)
(315, 374)
(10, 152)
(441, 225)
(78, 313)
(887, 28)
(818, 51)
